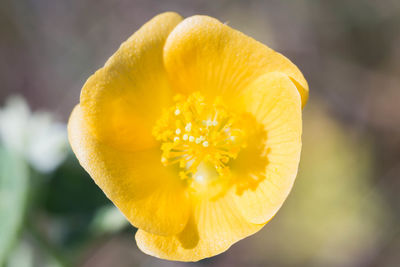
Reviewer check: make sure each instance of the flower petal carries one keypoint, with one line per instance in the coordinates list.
(150, 195)
(213, 227)
(275, 103)
(122, 100)
(202, 54)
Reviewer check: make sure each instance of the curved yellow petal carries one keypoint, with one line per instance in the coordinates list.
(212, 228)
(275, 103)
(122, 100)
(202, 54)
(150, 195)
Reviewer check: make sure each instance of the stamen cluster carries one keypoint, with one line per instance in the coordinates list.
(194, 131)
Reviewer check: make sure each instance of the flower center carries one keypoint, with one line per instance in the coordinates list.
(198, 135)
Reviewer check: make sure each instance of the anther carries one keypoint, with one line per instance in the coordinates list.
(188, 127)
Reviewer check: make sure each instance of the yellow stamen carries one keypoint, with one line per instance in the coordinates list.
(213, 135)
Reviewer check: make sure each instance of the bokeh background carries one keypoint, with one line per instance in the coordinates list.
(344, 209)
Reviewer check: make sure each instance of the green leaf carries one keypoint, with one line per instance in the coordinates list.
(14, 181)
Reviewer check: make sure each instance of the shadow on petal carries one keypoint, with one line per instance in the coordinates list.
(249, 167)
(189, 237)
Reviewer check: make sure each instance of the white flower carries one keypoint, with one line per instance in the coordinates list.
(35, 136)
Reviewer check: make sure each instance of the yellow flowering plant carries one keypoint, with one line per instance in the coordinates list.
(193, 130)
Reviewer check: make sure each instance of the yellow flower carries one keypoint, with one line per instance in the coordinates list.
(193, 130)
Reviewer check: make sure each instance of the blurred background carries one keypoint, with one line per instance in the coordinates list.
(344, 209)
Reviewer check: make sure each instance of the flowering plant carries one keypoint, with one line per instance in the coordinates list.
(193, 130)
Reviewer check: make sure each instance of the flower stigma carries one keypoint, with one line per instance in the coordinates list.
(195, 133)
